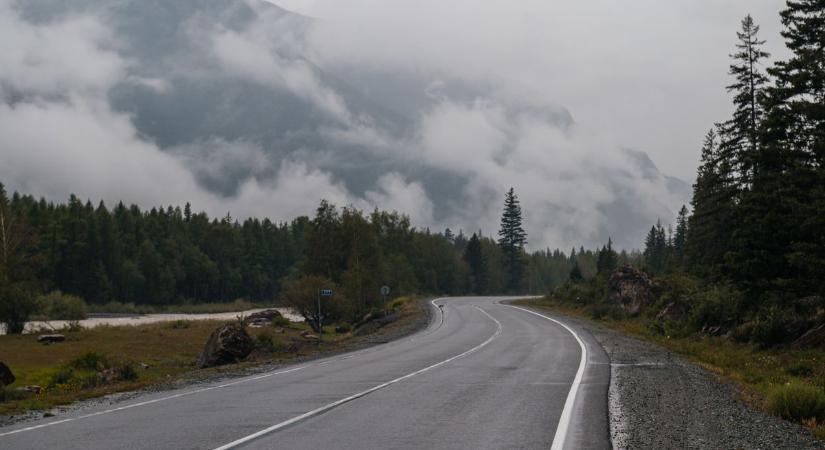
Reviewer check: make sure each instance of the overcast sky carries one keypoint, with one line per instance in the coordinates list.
(650, 74)
(483, 86)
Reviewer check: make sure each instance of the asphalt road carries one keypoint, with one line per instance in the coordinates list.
(482, 375)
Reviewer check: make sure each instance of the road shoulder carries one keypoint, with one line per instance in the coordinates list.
(658, 399)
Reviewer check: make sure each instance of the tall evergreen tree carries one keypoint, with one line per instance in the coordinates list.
(680, 237)
(474, 258)
(512, 239)
(739, 136)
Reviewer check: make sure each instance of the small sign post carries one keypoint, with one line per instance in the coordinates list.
(322, 293)
(385, 291)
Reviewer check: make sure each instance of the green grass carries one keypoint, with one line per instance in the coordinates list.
(772, 379)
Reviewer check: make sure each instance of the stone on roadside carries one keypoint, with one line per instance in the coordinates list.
(6, 377)
(228, 344)
(50, 338)
(309, 336)
(31, 389)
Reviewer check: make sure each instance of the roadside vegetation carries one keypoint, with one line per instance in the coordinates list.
(107, 359)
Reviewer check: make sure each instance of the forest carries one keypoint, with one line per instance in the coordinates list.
(172, 256)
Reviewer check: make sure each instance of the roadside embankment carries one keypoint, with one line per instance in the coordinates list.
(659, 399)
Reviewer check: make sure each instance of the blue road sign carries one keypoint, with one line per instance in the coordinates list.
(326, 292)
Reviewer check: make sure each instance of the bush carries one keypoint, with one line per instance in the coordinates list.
(59, 306)
(9, 394)
(264, 342)
(90, 361)
(16, 305)
(798, 402)
(717, 306)
(62, 376)
(281, 322)
(800, 369)
(128, 372)
(179, 324)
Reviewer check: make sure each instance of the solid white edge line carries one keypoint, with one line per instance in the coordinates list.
(149, 402)
(332, 405)
(567, 412)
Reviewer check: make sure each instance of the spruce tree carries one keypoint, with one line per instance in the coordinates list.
(512, 239)
(474, 258)
(739, 137)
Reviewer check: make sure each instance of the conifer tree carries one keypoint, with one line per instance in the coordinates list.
(474, 258)
(512, 239)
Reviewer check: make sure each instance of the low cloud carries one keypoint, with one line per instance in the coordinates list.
(433, 109)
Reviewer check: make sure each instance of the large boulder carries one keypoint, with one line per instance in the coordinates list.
(631, 289)
(265, 315)
(51, 338)
(6, 377)
(228, 344)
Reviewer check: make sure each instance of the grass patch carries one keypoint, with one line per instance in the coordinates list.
(785, 381)
(798, 402)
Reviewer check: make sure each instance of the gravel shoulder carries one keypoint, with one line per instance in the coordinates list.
(398, 329)
(658, 400)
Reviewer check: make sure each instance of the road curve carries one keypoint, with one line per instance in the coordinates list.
(482, 375)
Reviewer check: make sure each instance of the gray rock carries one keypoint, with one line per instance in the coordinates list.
(228, 344)
(631, 289)
(50, 338)
(268, 315)
(6, 377)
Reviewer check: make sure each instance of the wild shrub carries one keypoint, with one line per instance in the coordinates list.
(59, 306)
(128, 372)
(9, 394)
(798, 402)
(90, 361)
(800, 369)
(264, 341)
(179, 324)
(62, 376)
(280, 322)
(716, 306)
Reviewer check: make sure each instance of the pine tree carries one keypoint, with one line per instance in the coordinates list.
(739, 136)
(680, 237)
(474, 258)
(576, 273)
(512, 239)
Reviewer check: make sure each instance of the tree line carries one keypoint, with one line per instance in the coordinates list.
(172, 255)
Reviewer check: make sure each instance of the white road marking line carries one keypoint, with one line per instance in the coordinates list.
(567, 412)
(149, 402)
(332, 405)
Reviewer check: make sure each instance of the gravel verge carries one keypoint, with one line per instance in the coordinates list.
(387, 333)
(659, 400)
